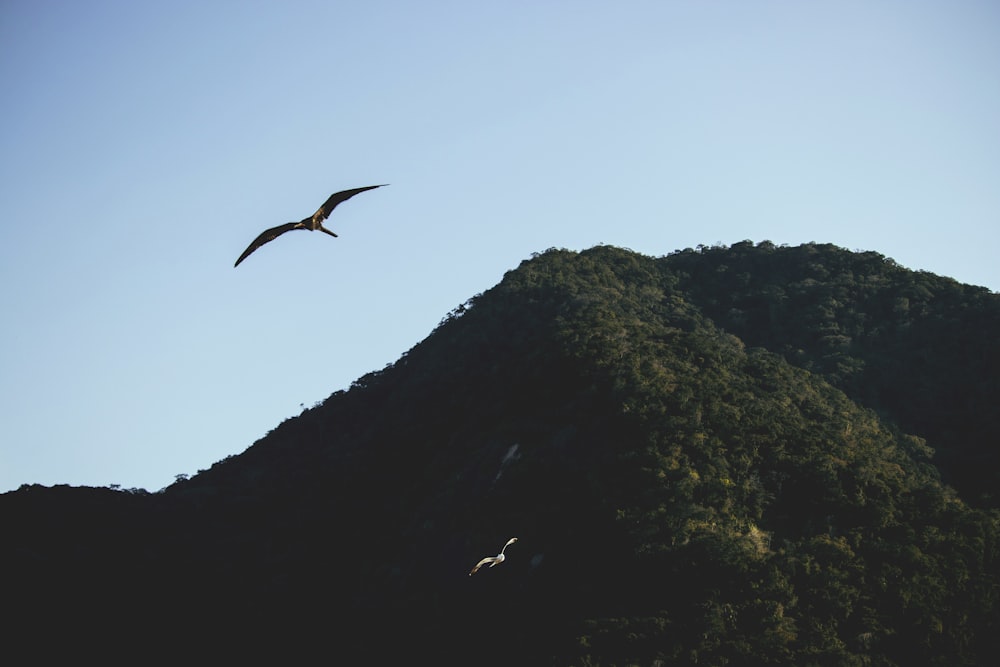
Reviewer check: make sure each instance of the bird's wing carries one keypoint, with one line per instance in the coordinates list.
(485, 561)
(268, 235)
(326, 209)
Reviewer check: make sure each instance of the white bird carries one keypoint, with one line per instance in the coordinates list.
(493, 561)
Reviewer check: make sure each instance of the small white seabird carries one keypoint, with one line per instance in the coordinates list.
(493, 561)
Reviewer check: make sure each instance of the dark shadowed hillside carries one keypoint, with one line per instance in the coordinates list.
(715, 457)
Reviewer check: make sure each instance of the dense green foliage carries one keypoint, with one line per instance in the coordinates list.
(716, 457)
(917, 348)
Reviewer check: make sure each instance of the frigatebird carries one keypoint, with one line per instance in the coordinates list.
(493, 561)
(312, 223)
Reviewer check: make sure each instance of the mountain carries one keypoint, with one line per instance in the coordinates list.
(720, 456)
(915, 347)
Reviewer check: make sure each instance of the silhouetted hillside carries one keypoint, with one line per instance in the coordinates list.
(715, 457)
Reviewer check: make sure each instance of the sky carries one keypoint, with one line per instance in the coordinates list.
(143, 145)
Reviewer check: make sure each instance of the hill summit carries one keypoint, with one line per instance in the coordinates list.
(720, 456)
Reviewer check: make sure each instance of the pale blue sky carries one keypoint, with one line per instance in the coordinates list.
(143, 145)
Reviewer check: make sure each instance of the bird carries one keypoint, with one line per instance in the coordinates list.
(493, 561)
(312, 223)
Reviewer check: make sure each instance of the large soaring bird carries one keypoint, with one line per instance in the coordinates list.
(312, 223)
(493, 561)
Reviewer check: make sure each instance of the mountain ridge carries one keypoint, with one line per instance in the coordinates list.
(679, 494)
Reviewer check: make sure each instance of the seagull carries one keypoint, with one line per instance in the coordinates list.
(312, 223)
(493, 561)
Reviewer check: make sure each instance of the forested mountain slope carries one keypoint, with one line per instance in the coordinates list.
(682, 462)
(918, 348)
